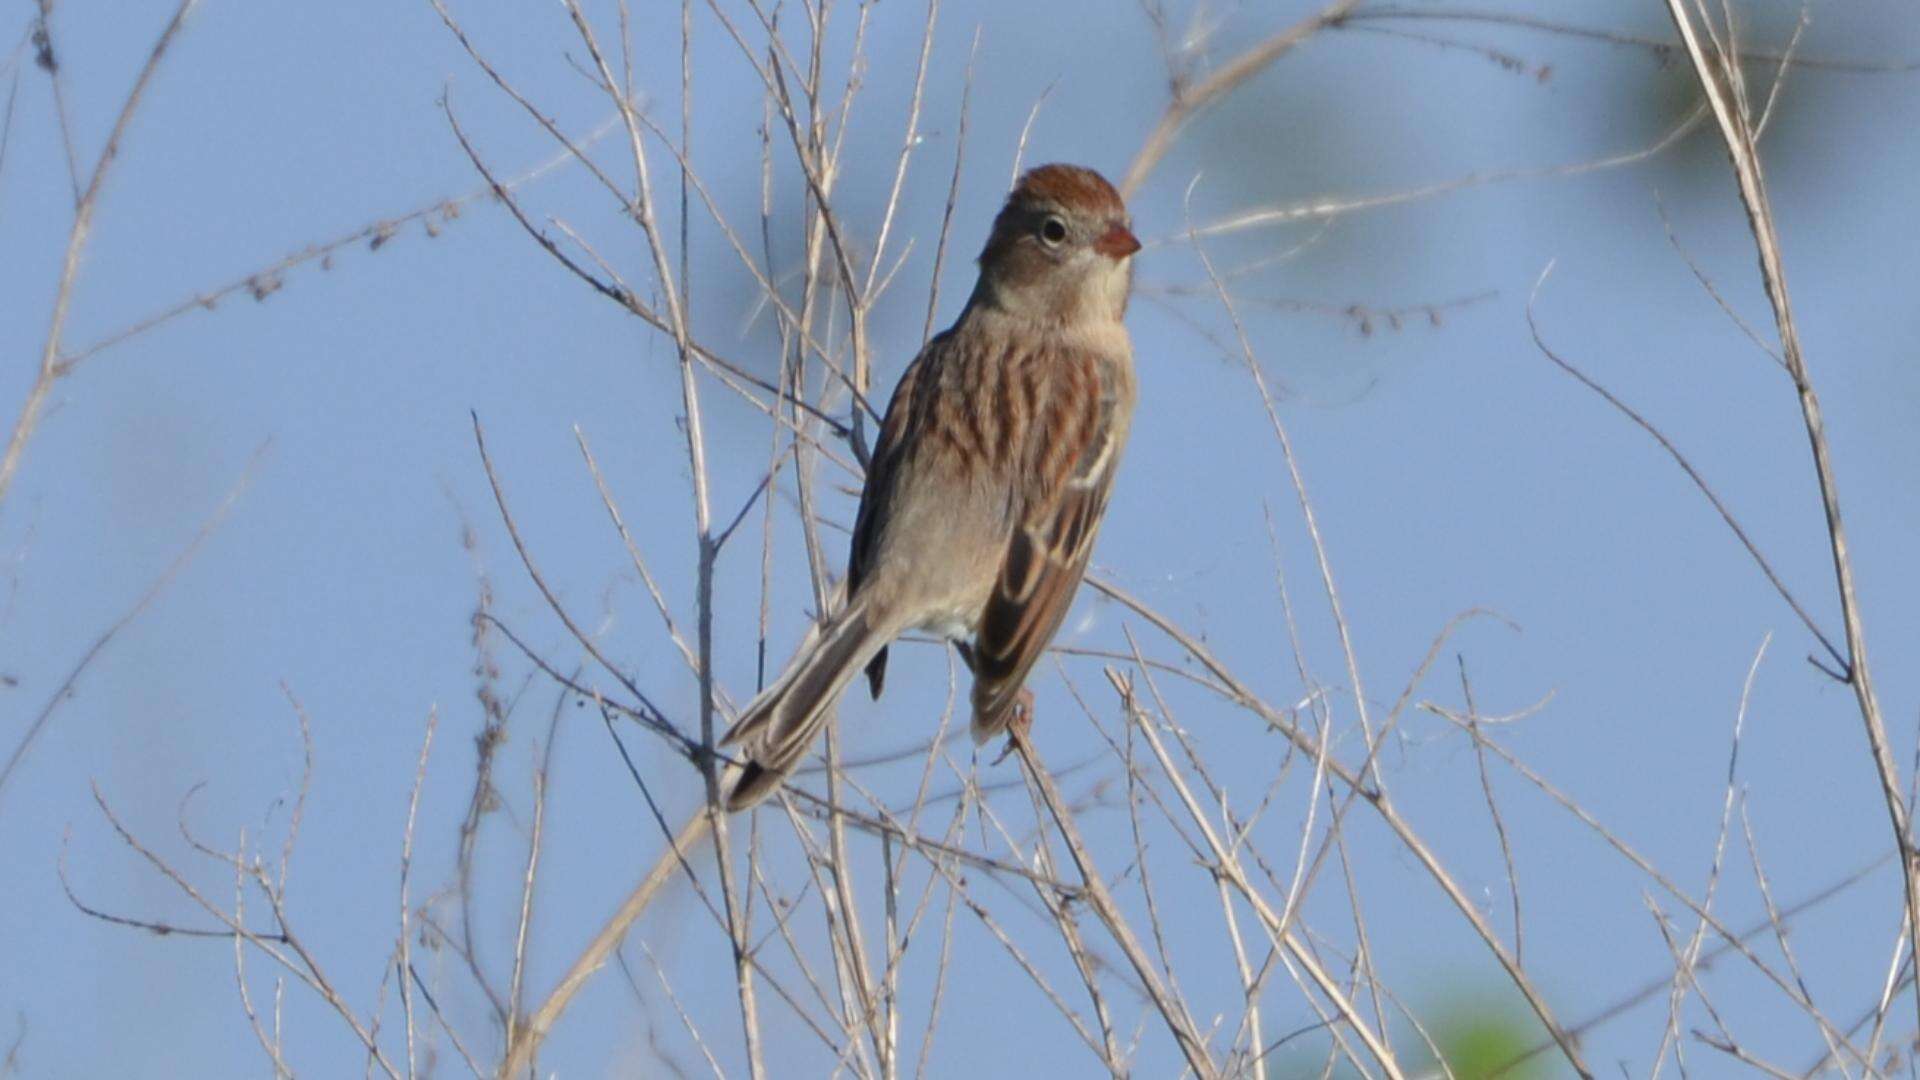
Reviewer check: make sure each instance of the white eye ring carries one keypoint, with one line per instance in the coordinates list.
(1053, 231)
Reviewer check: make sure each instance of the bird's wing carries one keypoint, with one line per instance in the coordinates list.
(1072, 456)
(878, 490)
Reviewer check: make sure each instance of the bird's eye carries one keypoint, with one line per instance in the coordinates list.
(1053, 230)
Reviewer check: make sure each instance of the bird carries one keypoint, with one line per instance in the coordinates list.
(988, 479)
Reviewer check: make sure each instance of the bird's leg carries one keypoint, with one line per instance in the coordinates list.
(1021, 720)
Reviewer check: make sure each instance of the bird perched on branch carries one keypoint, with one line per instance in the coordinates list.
(989, 478)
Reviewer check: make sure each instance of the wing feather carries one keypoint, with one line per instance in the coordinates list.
(1072, 460)
(878, 490)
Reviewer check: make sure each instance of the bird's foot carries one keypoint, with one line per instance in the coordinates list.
(1019, 723)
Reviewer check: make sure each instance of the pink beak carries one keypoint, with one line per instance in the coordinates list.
(1117, 242)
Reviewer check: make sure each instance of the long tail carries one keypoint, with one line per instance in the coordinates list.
(780, 725)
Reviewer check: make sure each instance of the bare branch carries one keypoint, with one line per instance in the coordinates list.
(1721, 80)
(1686, 466)
(1192, 1045)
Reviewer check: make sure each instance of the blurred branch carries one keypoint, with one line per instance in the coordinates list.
(67, 686)
(1189, 100)
(47, 60)
(271, 277)
(10, 1065)
(1663, 49)
(1775, 921)
(6, 122)
(77, 237)
(1326, 207)
(453, 1036)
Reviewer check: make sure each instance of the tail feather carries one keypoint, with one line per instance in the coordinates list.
(780, 725)
(754, 784)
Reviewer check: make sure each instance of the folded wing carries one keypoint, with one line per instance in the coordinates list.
(1071, 458)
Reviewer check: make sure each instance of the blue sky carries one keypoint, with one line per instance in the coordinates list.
(1450, 466)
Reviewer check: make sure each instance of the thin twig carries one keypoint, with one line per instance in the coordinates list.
(67, 686)
(1493, 811)
(1680, 459)
(406, 874)
(953, 192)
(519, 1056)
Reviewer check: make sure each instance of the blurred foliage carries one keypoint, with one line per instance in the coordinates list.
(1479, 1038)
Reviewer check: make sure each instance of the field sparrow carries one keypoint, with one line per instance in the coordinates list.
(989, 478)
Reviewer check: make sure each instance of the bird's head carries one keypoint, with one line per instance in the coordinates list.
(1061, 249)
